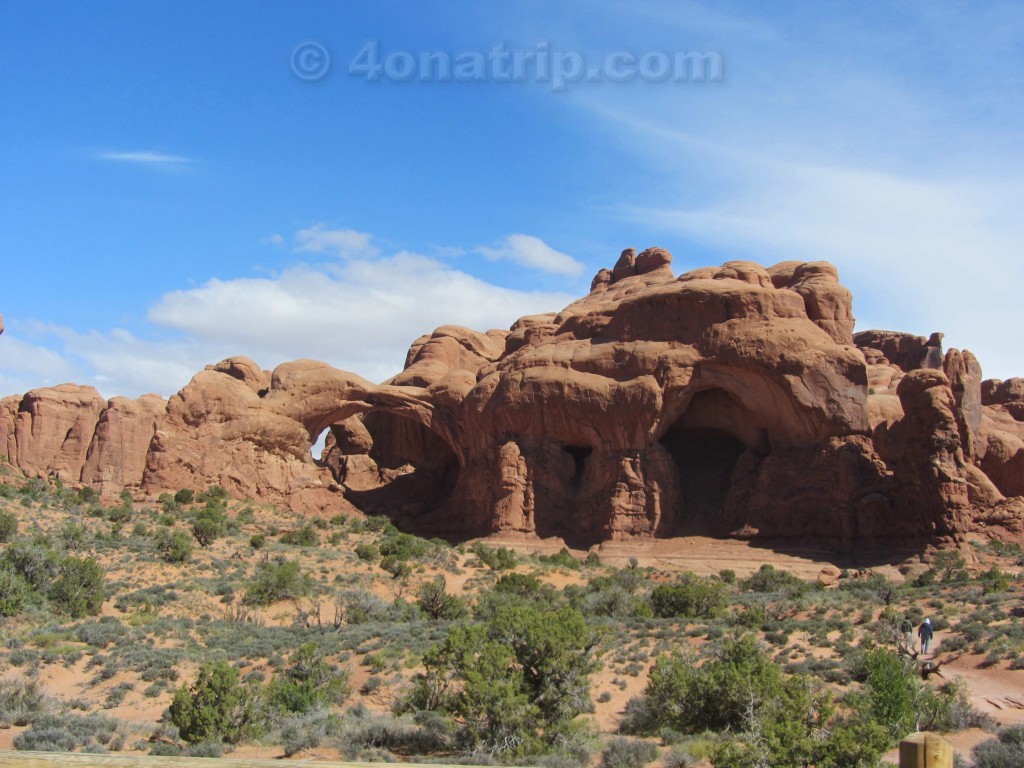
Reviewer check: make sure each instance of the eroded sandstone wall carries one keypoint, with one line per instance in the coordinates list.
(728, 401)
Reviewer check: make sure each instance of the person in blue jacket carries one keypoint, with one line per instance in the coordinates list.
(925, 632)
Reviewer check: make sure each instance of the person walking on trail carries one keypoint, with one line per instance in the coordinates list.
(925, 632)
(907, 631)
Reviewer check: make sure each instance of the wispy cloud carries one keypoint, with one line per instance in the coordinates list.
(146, 158)
(532, 252)
(360, 315)
(344, 243)
(847, 149)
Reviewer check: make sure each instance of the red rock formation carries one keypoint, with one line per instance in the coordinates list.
(733, 400)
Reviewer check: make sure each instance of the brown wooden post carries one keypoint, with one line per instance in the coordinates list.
(925, 750)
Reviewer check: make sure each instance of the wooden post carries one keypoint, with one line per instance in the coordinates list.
(925, 750)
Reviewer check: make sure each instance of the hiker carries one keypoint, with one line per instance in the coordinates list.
(907, 630)
(925, 632)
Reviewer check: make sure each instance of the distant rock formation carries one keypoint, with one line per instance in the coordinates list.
(730, 401)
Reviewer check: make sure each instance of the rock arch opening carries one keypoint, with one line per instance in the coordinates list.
(579, 454)
(392, 465)
(706, 443)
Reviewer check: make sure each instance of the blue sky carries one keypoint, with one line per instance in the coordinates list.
(176, 188)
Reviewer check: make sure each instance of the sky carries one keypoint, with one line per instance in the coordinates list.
(183, 182)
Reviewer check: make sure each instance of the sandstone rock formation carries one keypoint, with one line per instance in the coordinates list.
(730, 401)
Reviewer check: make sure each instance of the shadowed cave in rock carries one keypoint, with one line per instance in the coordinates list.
(400, 468)
(705, 443)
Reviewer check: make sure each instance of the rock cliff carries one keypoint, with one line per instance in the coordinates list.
(728, 401)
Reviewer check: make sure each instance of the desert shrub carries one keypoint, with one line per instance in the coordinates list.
(209, 524)
(8, 526)
(402, 546)
(21, 698)
(767, 579)
(54, 739)
(184, 496)
(622, 752)
(714, 695)
(101, 632)
(397, 567)
(359, 607)
(173, 546)
(642, 716)
(306, 536)
(691, 598)
(214, 494)
(15, 593)
(302, 733)
(892, 692)
(66, 733)
(308, 683)
(376, 523)
(948, 708)
(435, 601)
(367, 552)
(79, 588)
(949, 566)
(994, 580)
(679, 757)
(562, 558)
(500, 559)
(217, 707)
(257, 541)
(520, 679)
(1004, 751)
(33, 562)
(277, 579)
(117, 694)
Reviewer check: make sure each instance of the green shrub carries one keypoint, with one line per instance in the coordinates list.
(8, 526)
(403, 546)
(15, 593)
(628, 753)
(692, 598)
(562, 558)
(21, 698)
(435, 601)
(949, 565)
(79, 588)
(397, 567)
(257, 540)
(210, 524)
(214, 708)
(173, 546)
(33, 562)
(184, 496)
(1004, 751)
(67, 732)
(277, 579)
(500, 559)
(768, 579)
(306, 536)
(892, 692)
(368, 552)
(308, 683)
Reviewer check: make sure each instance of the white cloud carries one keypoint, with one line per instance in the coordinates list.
(25, 365)
(345, 243)
(532, 252)
(360, 315)
(145, 158)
